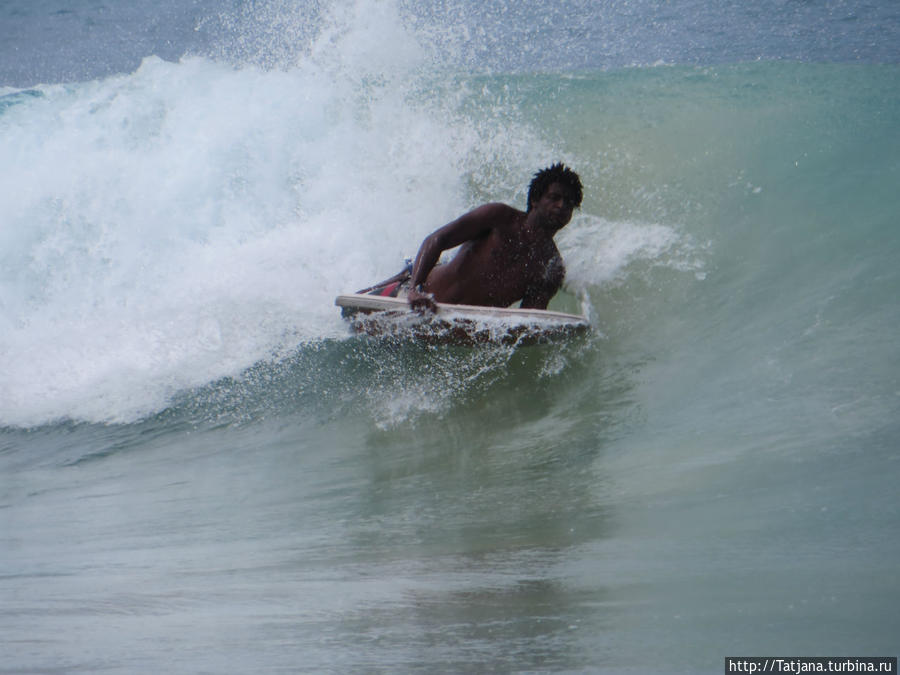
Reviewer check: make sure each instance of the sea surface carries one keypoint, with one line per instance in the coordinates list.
(202, 471)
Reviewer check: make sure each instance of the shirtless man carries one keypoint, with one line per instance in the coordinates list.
(505, 255)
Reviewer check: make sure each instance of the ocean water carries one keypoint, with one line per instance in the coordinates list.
(202, 471)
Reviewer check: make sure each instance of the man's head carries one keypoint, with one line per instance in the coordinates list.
(558, 173)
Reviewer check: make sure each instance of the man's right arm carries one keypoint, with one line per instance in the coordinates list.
(472, 225)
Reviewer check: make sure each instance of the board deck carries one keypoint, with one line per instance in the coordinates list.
(457, 324)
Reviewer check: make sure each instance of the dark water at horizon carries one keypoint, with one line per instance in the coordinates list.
(48, 41)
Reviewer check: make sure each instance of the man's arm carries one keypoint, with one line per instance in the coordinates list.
(539, 297)
(472, 225)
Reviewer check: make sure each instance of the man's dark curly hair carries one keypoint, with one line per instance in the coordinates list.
(558, 173)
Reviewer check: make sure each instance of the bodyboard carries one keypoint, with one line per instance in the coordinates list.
(457, 324)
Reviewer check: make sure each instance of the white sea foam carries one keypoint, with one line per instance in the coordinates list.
(175, 225)
(172, 226)
(600, 252)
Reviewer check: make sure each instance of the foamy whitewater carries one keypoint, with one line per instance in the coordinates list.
(202, 470)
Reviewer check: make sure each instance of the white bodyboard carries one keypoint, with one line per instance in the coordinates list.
(457, 324)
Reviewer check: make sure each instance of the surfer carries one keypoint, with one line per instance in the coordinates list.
(505, 254)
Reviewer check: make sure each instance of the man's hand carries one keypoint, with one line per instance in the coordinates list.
(421, 302)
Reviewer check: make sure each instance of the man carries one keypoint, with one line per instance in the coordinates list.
(505, 254)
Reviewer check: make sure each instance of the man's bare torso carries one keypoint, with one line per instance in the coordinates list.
(509, 263)
(505, 255)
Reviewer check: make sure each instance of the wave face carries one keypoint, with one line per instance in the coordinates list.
(191, 438)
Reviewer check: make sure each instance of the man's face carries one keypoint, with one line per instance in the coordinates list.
(555, 206)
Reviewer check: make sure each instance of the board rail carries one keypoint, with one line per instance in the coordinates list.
(384, 316)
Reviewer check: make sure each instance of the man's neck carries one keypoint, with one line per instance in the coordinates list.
(533, 224)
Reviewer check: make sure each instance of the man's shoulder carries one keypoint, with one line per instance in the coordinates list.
(497, 207)
(499, 214)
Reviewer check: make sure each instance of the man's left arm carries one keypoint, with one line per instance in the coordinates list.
(539, 296)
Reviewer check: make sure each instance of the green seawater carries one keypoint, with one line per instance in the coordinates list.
(712, 472)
